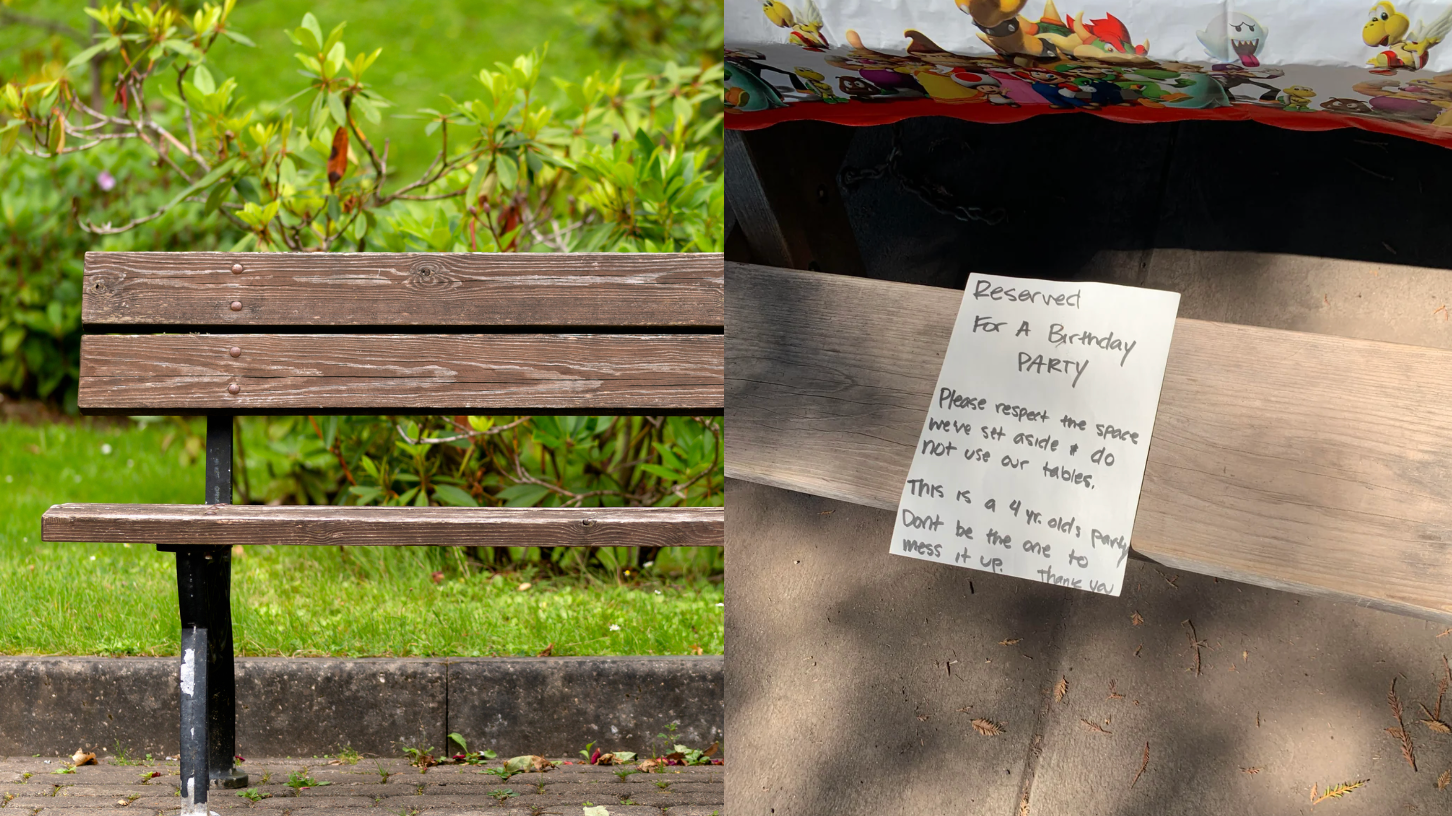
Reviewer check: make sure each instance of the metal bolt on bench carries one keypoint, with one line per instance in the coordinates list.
(442, 333)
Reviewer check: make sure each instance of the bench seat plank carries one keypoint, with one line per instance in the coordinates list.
(224, 524)
(508, 373)
(196, 289)
(1315, 464)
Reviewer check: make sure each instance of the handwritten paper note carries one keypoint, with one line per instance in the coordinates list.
(1031, 459)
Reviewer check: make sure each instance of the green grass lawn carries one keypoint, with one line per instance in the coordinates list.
(120, 599)
(429, 47)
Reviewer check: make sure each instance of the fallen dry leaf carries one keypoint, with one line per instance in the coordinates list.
(1144, 763)
(1336, 791)
(651, 765)
(1138, 649)
(83, 757)
(1195, 643)
(1113, 694)
(528, 762)
(1432, 722)
(987, 728)
(1442, 687)
(547, 651)
(1400, 732)
(1445, 779)
(1136, 619)
(696, 649)
(1251, 771)
(1009, 641)
(1061, 688)
(1093, 726)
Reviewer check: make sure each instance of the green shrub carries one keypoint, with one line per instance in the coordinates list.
(606, 162)
(623, 27)
(42, 248)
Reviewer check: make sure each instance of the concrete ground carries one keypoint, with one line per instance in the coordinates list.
(389, 786)
(854, 678)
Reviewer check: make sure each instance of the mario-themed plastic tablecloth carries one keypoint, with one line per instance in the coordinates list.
(1304, 65)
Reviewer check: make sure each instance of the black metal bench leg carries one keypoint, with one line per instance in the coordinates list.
(208, 684)
(222, 683)
(192, 583)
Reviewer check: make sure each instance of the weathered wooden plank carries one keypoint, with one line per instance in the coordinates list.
(198, 289)
(311, 373)
(1314, 464)
(224, 524)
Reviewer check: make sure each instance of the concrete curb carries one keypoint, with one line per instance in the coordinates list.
(314, 706)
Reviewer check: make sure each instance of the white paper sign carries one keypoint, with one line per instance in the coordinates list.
(1031, 458)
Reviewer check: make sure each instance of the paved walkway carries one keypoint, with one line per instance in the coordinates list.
(389, 786)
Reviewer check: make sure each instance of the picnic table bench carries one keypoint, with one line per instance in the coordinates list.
(1301, 462)
(223, 334)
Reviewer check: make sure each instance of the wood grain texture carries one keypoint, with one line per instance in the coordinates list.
(196, 289)
(1314, 464)
(224, 524)
(510, 373)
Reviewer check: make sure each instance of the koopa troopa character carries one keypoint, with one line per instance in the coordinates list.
(818, 83)
(1391, 30)
(1237, 37)
(805, 25)
(1296, 98)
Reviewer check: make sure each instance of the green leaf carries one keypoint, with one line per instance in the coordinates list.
(454, 497)
(370, 112)
(206, 181)
(310, 24)
(643, 140)
(214, 198)
(523, 495)
(507, 169)
(471, 196)
(108, 44)
(247, 244)
(335, 107)
(238, 38)
(663, 472)
(202, 78)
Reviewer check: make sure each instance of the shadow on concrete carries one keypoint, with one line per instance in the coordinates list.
(838, 685)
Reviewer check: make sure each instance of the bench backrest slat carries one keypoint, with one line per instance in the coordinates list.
(361, 374)
(266, 333)
(198, 289)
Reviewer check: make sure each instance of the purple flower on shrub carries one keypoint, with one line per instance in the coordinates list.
(106, 180)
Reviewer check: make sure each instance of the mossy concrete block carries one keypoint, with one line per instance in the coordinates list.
(554, 706)
(306, 707)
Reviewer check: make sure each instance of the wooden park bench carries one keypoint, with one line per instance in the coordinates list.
(225, 334)
(1312, 464)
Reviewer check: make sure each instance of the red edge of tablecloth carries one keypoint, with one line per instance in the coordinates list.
(885, 113)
